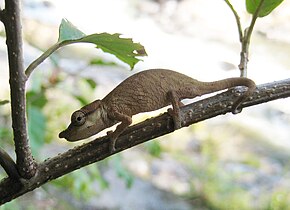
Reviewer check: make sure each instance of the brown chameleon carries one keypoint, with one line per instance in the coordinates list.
(143, 92)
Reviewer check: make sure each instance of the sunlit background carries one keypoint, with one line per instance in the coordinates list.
(229, 162)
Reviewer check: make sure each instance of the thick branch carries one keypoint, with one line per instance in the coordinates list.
(25, 163)
(98, 149)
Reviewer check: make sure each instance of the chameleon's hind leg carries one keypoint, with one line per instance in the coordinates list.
(174, 97)
(175, 110)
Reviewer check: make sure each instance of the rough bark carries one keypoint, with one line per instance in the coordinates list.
(11, 18)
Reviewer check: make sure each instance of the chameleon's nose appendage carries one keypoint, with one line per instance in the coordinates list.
(68, 134)
(61, 134)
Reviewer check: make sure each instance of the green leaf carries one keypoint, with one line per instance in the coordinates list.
(267, 6)
(91, 83)
(36, 128)
(67, 31)
(4, 102)
(123, 48)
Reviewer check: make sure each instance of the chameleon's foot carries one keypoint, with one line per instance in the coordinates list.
(176, 118)
(237, 110)
(112, 144)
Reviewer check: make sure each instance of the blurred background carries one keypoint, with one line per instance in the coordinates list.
(229, 162)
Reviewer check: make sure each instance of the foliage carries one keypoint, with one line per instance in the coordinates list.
(279, 200)
(266, 8)
(123, 48)
(258, 8)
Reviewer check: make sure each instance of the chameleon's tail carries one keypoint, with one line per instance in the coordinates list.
(208, 87)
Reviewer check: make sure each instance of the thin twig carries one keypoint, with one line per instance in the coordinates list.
(98, 149)
(45, 55)
(240, 29)
(246, 42)
(25, 163)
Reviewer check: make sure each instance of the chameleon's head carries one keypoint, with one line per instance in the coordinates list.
(86, 122)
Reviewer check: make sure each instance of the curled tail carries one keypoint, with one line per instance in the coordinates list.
(250, 84)
(209, 87)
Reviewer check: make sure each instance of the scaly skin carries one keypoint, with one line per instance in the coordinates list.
(143, 92)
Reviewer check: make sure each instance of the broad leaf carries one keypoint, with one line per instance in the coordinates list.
(123, 48)
(267, 7)
(67, 31)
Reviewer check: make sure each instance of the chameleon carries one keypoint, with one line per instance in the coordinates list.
(145, 91)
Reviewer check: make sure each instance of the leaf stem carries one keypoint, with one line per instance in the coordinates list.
(45, 55)
(245, 37)
(240, 30)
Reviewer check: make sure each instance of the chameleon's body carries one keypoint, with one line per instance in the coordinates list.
(145, 91)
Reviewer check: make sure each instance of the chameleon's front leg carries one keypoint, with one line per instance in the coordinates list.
(125, 122)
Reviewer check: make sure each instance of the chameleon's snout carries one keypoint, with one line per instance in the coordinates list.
(61, 134)
(64, 134)
(70, 134)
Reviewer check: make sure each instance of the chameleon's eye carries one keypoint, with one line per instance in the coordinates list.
(78, 118)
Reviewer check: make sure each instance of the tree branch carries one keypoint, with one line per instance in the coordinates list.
(8, 165)
(98, 149)
(25, 163)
